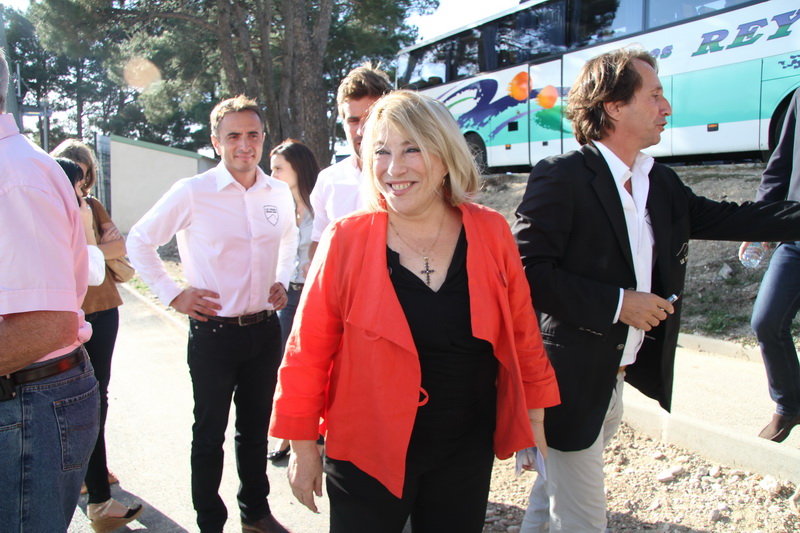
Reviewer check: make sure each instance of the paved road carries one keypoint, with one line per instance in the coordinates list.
(720, 404)
(148, 433)
(720, 401)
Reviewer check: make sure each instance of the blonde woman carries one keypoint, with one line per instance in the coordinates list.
(417, 342)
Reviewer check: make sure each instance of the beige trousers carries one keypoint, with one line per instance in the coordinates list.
(572, 499)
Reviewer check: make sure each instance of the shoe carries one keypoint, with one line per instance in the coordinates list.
(268, 524)
(277, 455)
(100, 520)
(779, 427)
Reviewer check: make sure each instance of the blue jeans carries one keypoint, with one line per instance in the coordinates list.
(240, 363)
(47, 433)
(777, 304)
(286, 315)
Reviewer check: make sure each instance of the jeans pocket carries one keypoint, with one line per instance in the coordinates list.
(78, 423)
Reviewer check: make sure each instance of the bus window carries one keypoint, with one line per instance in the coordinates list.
(602, 20)
(467, 55)
(529, 34)
(425, 67)
(661, 13)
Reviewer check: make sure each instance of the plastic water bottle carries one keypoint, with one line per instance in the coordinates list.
(752, 255)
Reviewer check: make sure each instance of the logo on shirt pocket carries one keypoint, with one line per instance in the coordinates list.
(271, 212)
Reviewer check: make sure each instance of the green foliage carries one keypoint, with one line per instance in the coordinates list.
(290, 54)
(719, 321)
(41, 71)
(81, 72)
(717, 318)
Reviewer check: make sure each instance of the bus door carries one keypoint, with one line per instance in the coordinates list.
(546, 104)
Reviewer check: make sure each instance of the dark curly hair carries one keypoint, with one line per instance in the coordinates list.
(610, 77)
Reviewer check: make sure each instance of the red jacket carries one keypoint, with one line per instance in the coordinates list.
(351, 359)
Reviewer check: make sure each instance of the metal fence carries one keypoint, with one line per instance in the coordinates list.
(102, 147)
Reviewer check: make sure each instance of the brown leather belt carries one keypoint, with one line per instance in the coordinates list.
(46, 370)
(244, 320)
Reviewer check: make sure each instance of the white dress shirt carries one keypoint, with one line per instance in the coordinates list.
(640, 231)
(97, 265)
(234, 241)
(339, 191)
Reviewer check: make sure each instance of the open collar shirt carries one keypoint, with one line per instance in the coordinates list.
(44, 261)
(234, 241)
(339, 191)
(303, 244)
(640, 231)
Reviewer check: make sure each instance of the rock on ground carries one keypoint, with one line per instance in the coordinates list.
(701, 497)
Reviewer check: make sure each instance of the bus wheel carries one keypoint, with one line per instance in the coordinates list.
(478, 149)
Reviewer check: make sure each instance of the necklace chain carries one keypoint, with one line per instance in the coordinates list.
(427, 271)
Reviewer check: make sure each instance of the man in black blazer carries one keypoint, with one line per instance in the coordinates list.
(604, 236)
(778, 298)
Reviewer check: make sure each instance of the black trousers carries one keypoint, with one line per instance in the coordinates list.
(444, 490)
(240, 363)
(105, 325)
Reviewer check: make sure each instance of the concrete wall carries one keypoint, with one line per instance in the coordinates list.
(142, 172)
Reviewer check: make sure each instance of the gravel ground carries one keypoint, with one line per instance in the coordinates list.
(652, 486)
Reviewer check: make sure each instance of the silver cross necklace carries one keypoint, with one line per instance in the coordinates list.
(427, 271)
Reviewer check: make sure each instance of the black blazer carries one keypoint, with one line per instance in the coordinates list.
(781, 179)
(573, 240)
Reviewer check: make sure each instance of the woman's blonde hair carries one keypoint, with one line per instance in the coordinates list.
(427, 124)
(79, 152)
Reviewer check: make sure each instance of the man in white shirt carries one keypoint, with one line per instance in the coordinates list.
(339, 188)
(237, 240)
(49, 403)
(604, 234)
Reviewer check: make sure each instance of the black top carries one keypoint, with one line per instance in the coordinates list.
(458, 369)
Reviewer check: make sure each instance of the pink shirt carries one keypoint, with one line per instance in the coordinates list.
(44, 263)
(234, 241)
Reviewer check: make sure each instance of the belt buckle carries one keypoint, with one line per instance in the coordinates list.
(248, 320)
(7, 390)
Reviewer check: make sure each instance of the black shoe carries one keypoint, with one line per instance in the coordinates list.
(277, 455)
(779, 427)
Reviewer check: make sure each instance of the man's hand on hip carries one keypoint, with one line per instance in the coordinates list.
(196, 303)
(644, 310)
(277, 296)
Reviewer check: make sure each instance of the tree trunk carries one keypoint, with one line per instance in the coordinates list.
(313, 99)
(79, 98)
